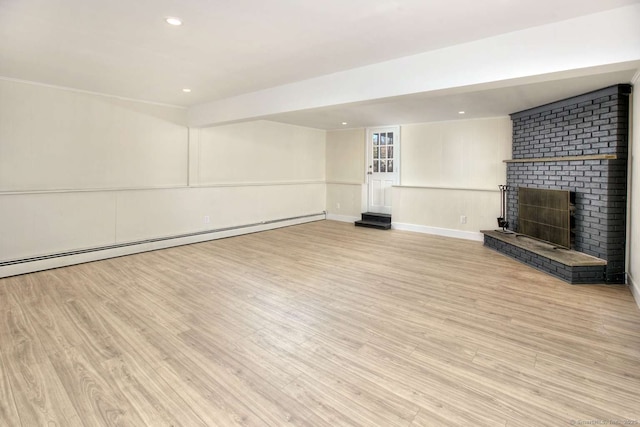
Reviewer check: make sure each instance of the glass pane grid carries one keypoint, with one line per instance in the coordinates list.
(383, 152)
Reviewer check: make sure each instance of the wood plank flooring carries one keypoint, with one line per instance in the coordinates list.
(321, 324)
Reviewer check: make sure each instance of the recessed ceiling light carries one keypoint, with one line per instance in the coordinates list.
(460, 112)
(173, 21)
(186, 90)
(344, 123)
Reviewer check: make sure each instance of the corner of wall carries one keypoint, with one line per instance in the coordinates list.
(635, 289)
(633, 219)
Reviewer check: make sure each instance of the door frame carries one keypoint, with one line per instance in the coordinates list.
(396, 157)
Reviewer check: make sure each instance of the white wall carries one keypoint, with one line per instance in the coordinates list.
(456, 154)
(260, 151)
(82, 171)
(438, 211)
(57, 139)
(345, 174)
(449, 170)
(633, 265)
(259, 171)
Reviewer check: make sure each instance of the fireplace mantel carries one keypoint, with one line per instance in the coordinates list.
(564, 158)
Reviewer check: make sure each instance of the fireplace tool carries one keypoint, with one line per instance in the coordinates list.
(502, 219)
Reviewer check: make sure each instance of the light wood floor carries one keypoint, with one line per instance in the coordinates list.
(321, 324)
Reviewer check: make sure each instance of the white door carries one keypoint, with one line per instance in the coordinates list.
(383, 167)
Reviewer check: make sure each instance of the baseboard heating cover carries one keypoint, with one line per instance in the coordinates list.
(78, 256)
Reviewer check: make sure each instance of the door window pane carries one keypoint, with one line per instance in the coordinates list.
(382, 153)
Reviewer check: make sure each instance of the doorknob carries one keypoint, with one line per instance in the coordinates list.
(369, 173)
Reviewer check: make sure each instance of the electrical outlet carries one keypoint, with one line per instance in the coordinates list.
(338, 205)
(463, 219)
(207, 219)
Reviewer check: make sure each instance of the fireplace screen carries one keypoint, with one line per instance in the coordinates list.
(545, 215)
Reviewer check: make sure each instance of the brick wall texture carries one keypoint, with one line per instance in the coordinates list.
(593, 123)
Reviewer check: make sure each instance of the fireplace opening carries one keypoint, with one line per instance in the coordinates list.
(547, 215)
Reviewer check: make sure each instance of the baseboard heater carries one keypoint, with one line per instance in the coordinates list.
(156, 240)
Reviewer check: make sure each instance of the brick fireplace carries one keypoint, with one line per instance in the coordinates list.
(579, 144)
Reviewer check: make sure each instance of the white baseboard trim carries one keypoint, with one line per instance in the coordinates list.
(635, 289)
(446, 232)
(342, 218)
(47, 263)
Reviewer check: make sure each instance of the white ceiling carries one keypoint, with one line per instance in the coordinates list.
(225, 48)
(442, 106)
